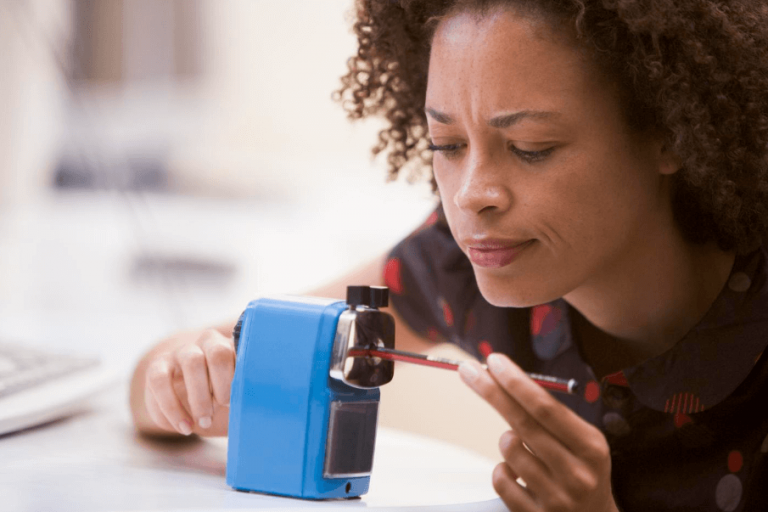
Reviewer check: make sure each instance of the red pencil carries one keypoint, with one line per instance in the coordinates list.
(569, 386)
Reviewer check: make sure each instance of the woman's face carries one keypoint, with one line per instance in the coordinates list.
(544, 186)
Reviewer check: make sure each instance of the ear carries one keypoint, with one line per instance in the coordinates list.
(669, 162)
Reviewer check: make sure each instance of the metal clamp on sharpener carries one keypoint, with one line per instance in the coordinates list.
(303, 412)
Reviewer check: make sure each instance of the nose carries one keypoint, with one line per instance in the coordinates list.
(483, 188)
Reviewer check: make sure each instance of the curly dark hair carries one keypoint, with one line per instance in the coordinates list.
(696, 70)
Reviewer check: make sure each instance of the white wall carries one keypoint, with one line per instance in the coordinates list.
(30, 95)
(270, 70)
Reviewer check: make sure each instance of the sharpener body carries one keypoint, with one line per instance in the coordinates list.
(293, 430)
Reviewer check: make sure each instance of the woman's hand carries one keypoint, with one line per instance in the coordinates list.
(184, 385)
(564, 462)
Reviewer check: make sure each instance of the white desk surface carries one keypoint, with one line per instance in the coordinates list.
(94, 461)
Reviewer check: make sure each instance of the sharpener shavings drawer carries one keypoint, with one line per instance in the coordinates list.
(351, 439)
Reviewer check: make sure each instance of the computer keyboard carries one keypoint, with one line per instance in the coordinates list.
(40, 385)
(22, 368)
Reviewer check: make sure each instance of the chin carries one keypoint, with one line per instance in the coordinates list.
(512, 293)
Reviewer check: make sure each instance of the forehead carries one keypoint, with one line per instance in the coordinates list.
(506, 60)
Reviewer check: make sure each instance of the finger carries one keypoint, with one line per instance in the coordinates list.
(524, 464)
(511, 493)
(538, 479)
(160, 384)
(220, 356)
(549, 449)
(581, 438)
(155, 414)
(191, 360)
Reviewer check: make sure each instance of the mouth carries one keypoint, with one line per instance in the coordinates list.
(496, 253)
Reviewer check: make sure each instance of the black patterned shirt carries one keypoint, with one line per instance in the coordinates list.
(688, 429)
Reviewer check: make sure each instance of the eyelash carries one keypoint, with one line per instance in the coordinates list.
(450, 150)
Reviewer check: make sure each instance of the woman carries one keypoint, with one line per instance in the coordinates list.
(601, 167)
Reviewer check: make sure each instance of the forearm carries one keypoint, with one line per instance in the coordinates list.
(183, 384)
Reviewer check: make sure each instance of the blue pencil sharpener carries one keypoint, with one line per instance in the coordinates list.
(302, 419)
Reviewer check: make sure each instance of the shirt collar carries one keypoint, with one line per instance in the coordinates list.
(717, 355)
(704, 367)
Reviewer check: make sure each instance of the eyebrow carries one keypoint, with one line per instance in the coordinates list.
(503, 121)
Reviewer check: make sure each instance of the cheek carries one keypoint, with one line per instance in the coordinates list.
(446, 189)
(601, 201)
(444, 185)
(584, 220)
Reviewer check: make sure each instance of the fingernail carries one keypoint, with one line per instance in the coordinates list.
(505, 440)
(468, 371)
(205, 422)
(185, 428)
(495, 364)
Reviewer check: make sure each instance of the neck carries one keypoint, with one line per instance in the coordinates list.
(650, 298)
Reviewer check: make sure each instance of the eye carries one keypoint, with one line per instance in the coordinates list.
(531, 156)
(447, 150)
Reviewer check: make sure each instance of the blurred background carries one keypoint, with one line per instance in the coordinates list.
(163, 162)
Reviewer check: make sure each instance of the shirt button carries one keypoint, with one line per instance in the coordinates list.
(615, 424)
(615, 397)
(739, 282)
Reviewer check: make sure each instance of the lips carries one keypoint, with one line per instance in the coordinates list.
(496, 253)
